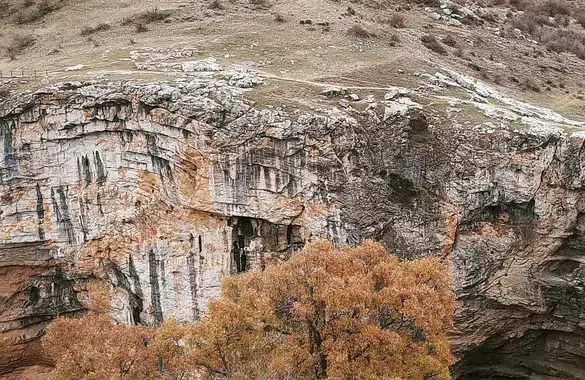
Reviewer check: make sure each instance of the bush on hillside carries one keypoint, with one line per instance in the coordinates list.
(14, 44)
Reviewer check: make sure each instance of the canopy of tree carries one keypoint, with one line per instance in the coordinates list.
(353, 313)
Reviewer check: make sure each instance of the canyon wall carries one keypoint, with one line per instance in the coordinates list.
(161, 190)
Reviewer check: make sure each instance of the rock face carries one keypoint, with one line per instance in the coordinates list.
(159, 191)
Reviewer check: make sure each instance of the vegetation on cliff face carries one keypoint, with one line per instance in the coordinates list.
(354, 313)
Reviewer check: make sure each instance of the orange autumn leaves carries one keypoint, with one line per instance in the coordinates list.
(355, 313)
(95, 348)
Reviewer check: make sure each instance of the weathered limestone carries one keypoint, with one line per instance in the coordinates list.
(159, 191)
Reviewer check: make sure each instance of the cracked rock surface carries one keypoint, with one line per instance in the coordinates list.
(160, 190)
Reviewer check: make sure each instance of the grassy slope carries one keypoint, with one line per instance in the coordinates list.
(241, 33)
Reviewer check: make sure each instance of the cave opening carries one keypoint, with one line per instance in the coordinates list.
(136, 310)
(255, 243)
(34, 295)
(289, 234)
(242, 235)
(537, 354)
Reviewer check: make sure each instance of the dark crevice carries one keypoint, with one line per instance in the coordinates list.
(40, 212)
(136, 302)
(61, 211)
(241, 236)
(101, 171)
(86, 169)
(155, 287)
(193, 278)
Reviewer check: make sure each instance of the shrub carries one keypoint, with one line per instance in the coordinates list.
(94, 29)
(4, 8)
(489, 16)
(358, 31)
(27, 16)
(562, 20)
(581, 19)
(553, 8)
(564, 40)
(397, 21)
(47, 6)
(431, 43)
(556, 34)
(428, 3)
(140, 28)
(279, 18)
(475, 67)
(4, 93)
(331, 313)
(530, 22)
(531, 86)
(471, 20)
(216, 4)
(520, 5)
(150, 16)
(260, 3)
(449, 40)
(30, 13)
(15, 44)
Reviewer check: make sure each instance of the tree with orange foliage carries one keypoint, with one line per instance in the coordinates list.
(353, 313)
(338, 314)
(97, 348)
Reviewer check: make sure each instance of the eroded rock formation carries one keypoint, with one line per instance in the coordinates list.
(161, 190)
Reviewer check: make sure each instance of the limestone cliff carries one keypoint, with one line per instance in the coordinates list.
(161, 190)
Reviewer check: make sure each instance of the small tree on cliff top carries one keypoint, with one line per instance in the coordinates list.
(356, 313)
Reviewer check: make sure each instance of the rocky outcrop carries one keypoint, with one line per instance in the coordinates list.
(162, 190)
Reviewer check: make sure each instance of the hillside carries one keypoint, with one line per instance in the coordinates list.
(270, 37)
